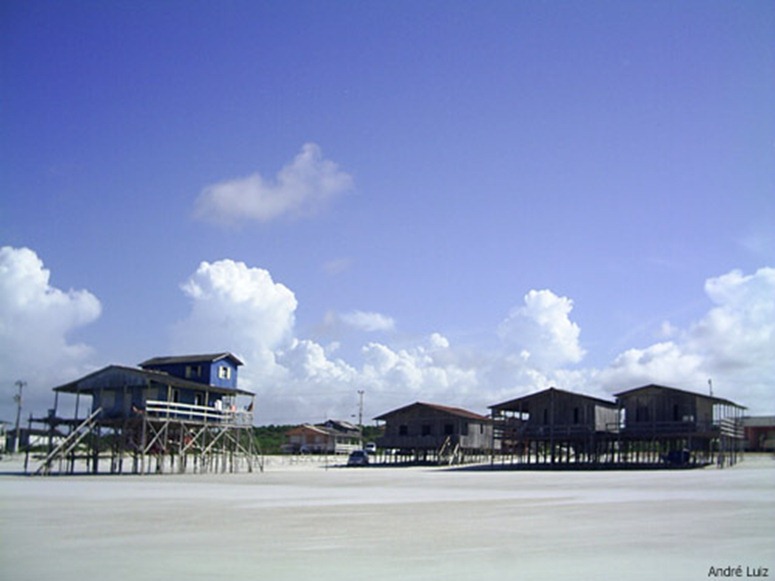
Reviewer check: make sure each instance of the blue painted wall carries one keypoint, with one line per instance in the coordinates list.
(221, 373)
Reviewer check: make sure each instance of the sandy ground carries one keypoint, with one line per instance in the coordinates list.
(305, 521)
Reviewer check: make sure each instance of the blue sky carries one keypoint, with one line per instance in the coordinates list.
(457, 202)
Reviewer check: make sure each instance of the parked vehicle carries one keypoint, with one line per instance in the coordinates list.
(358, 458)
(677, 458)
(370, 448)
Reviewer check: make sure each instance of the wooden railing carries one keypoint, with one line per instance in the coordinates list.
(229, 415)
(726, 427)
(732, 428)
(523, 430)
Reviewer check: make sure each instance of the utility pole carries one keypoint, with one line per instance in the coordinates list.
(18, 399)
(360, 408)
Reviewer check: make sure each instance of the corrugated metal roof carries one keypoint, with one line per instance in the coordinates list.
(173, 359)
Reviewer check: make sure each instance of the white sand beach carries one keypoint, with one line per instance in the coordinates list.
(303, 520)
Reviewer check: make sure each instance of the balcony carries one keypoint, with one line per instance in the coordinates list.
(227, 416)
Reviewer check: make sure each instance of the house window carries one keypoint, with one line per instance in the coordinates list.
(193, 371)
(403, 430)
(449, 429)
(575, 415)
(425, 430)
(224, 372)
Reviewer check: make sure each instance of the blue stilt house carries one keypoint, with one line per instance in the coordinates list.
(168, 409)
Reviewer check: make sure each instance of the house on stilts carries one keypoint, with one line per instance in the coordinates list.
(678, 427)
(554, 426)
(649, 426)
(432, 433)
(169, 414)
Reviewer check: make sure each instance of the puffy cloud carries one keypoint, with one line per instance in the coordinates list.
(418, 372)
(736, 338)
(337, 324)
(308, 361)
(369, 322)
(439, 341)
(663, 363)
(236, 308)
(740, 330)
(35, 320)
(300, 188)
(542, 331)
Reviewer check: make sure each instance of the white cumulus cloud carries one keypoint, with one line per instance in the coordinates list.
(308, 361)
(542, 331)
(401, 376)
(665, 363)
(300, 188)
(740, 330)
(35, 321)
(239, 309)
(368, 321)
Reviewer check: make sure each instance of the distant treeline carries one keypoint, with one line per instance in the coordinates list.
(270, 438)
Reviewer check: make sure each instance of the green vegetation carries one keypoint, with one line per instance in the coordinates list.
(372, 433)
(270, 438)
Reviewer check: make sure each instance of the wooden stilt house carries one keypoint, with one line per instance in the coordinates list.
(555, 426)
(678, 426)
(425, 432)
(170, 413)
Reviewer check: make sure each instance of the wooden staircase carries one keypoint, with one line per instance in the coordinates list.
(68, 444)
(450, 453)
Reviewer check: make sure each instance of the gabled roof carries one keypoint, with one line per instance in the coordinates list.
(453, 411)
(719, 400)
(326, 429)
(142, 376)
(308, 428)
(175, 359)
(513, 403)
(341, 426)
